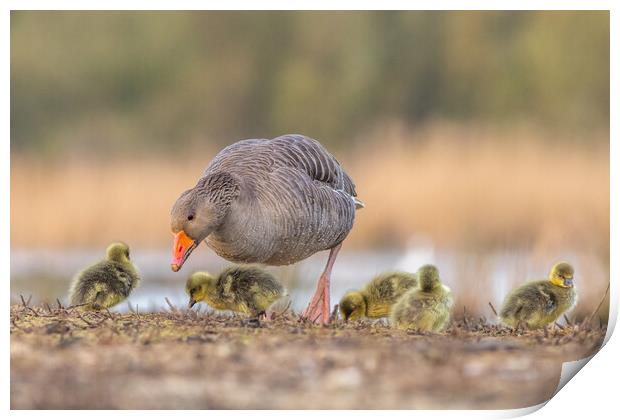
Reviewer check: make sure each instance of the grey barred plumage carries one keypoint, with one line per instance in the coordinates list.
(274, 202)
(293, 151)
(285, 199)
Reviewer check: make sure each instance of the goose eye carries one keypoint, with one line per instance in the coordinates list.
(190, 217)
(127, 254)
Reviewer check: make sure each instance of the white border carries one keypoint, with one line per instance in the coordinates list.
(592, 395)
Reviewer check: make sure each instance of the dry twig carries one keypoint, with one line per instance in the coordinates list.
(110, 316)
(334, 314)
(172, 307)
(90, 324)
(130, 307)
(26, 304)
(78, 305)
(591, 317)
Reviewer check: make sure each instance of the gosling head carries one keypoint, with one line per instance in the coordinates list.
(562, 274)
(198, 212)
(119, 252)
(198, 286)
(428, 277)
(352, 306)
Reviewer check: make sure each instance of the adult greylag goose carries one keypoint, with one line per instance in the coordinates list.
(273, 202)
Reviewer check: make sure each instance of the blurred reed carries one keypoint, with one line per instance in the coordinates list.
(462, 187)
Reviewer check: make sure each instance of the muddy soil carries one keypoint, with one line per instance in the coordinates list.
(64, 359)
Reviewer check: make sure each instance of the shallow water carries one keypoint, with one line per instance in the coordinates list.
(475, 278)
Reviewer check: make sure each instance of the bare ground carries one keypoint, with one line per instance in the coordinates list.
(63, 359)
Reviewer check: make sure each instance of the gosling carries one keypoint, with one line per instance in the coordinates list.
(375, 300)
(424, 308)
(536, 304)
(249, 290)
(107, 282)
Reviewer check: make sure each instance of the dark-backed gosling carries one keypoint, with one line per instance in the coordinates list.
(249, 290)
(426, 307)
(375, 300)
(538, 303)
(107, 282)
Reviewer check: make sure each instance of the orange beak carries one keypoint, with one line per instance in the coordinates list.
(183, 246)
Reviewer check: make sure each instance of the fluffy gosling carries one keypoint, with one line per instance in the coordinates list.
(249, 290)
(535, 304)
(375, 300)
(107, 282)
(426, 307)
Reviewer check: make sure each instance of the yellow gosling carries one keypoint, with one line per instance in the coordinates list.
(375, 300)
(246, 289)
(107, 282)
(426, 307)
(538, 303)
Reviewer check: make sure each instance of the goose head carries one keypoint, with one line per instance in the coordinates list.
(353, 306)
(562, 275)
(198, 212)
(119, 252)
(198, 286)
(428, 277)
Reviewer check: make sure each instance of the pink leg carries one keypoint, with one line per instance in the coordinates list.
(318, 310)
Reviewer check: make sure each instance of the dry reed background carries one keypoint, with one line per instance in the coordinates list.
(460, 186)
(473, 191)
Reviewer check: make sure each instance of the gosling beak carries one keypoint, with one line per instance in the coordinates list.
(183, 246)
(568, 282)
(191, 303)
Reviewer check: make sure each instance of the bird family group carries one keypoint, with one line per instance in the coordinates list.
(276, 202)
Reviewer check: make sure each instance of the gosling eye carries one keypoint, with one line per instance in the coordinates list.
(192, 291)
(127, 253)
(190, 217)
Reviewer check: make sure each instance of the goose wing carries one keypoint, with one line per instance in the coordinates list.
(296, 200)
(292, 151)
(309, 156)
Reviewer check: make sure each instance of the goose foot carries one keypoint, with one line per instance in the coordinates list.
(318, 311)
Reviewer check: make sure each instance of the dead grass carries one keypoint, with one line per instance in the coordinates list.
(182, 359)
